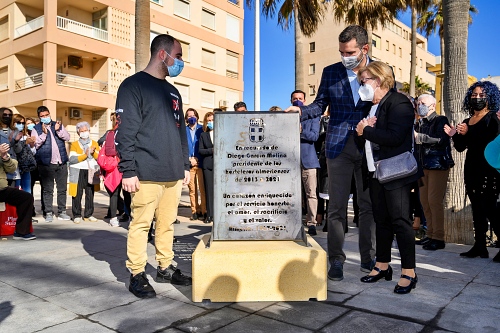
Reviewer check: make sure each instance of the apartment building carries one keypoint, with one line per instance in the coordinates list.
(72, 55)
(390, 44)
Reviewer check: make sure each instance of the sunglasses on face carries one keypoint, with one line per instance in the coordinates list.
(20, 122)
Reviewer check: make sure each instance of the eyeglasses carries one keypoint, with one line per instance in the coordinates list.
(363, 80)
(20, 122)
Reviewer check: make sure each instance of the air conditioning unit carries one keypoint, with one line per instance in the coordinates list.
(223, 104)
(75, 62)
(75, 113)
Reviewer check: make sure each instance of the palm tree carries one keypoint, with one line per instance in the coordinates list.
(366, 13)
(142, 32)
(431, 21)
(306, 16)
(458, 217)
(421, 87)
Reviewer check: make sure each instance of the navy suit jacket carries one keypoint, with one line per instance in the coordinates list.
(193, 145)
(335, 91)
(308, 136)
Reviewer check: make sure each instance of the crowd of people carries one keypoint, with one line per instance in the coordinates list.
(356, 124)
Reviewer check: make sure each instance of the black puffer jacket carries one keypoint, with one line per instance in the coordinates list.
(433, 144)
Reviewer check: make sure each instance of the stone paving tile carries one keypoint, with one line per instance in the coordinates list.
(337, 297)
(77, 326)
(480, 294)
(258, 324)
(467, 318)
(172, 330)
(318, 313)
(213, 321)
(32, 316)
(251, 307)
(148, 315)
(184, 293)
(94, 299)
(12, 296)
(489, 275)
(360, 322)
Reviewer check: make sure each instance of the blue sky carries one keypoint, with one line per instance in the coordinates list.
(277, 53)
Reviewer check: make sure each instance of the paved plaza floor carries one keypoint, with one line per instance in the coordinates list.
(73, 279)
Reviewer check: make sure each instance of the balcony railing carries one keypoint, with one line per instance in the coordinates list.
(231, 74)
(81, 29)
(29, 27)
(29, 81)
(81, 82)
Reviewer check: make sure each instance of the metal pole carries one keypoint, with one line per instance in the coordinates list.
(257, 57)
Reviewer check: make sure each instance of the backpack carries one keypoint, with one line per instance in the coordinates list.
(109, 144)
(106, 162)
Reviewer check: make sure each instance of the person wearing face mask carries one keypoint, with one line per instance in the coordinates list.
(11, 135)
(196, 184)
(83, 175)
(207, 151)
(152, 146)
(24, 166)
(482, 181)
(435, 158)
(339, 90)
(51, 157)
(385, 133)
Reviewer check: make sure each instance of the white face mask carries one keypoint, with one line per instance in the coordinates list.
(366, 92)
(84, 135)
(352, 61)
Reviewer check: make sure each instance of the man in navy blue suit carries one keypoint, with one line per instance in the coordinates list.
(339, 90)
(309, 133)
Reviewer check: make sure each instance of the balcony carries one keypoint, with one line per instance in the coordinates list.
(29, 27)
(81, 83)
(81, 29)
(29, 81)
(231, 74)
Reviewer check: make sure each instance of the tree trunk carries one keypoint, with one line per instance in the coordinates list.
(142, 31)
(369, 31)
(299, 54)
(413, 61)
(441, 45)
(458, 214)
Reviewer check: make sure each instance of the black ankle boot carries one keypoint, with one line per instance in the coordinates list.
(476, 251)
(387, 274)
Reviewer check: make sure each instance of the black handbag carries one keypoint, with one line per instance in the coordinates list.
(26, 161)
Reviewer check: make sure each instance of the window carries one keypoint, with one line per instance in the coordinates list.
(312, 69)
(100, 19)
(394, 48)
(312, 90)
(235, 2)
(207, 59)
(4, 28)
(208, 19)
(376, 41)
(207, 98)
(152, 36)
(232, 64)
(387, 45)
(421, 64)
(400, 73)
(181, 8)
(186, 48)
(233, 28)
(400, 52)
(183, 91)
(4, 77)
(312, 47)
(158, 2)
(232, 96)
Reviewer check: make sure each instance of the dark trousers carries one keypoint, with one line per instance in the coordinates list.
(23, 201)
(340, 171)
(208, 177)
(391, 211)
(83, 185)
(49, 174)
(484, 207)
(114, 201)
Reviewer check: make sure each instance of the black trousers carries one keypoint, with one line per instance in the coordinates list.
(114, 201)
(83, 185)
(49, 174)
(484, 207)
(391, 211)
(23, 201)
(208, 177)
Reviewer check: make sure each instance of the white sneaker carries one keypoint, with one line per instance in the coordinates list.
(114, 222)
(90, 219)
(77, 220)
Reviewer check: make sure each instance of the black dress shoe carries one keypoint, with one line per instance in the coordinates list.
(434, 245)
(140, 287)
(312, 230)
(387, 274)
(405, 290)
(497, 257)
(209, 219)
(476, 251)
(172, 275)
(194, 217)
(202, 217)
(423, 241)
(177, 221)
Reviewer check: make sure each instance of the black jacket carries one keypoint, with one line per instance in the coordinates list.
(433, 144)
(207, 150)
(392, 134)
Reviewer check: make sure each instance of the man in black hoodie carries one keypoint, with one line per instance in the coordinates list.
(152, 145)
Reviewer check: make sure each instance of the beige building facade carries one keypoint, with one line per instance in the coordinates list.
(71, 56)
(391, 44)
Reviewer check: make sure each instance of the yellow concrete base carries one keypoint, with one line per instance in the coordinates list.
(250, 271)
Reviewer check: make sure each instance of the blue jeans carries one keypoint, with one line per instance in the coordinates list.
(24, 182)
